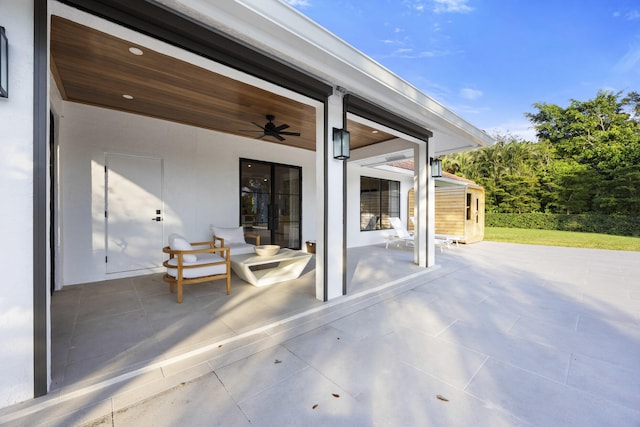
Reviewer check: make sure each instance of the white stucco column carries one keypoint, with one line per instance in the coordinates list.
(330, 189)
(17, 175)
(424, 206)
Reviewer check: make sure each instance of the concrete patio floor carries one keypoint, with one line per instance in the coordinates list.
(499, 335)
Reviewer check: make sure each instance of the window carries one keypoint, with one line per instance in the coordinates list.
(379, 200)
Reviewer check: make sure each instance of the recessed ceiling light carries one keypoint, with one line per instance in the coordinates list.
(127, 96)
(136, 51)
(374, 131)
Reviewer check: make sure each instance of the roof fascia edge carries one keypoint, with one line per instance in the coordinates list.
(180, 30)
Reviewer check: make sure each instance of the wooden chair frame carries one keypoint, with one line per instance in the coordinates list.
(180, 267)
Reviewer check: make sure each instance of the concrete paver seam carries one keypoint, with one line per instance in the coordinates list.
(476, 373)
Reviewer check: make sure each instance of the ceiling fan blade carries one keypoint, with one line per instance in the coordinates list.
(272, 130)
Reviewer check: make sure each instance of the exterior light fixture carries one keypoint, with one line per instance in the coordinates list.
(4, 64)
(340, 144)
(436, 167)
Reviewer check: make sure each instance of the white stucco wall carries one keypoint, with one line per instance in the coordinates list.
(355, 237)
(201, 179)
(16, 191)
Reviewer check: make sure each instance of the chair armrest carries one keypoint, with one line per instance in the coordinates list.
(256, 237)
(211, 248)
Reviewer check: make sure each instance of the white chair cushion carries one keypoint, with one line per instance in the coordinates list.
(190, 273)
(179, 243)
(240, 248)
(173, 236)
(230, 235)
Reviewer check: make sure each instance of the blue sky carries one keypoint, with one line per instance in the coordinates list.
(489, 61)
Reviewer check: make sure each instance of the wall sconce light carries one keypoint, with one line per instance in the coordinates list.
(340, 144)
(436, 167)
(4, 64)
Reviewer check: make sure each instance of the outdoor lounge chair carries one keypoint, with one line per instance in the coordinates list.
(402, 235)
(198, 262)
(234, 238)
(443, 242)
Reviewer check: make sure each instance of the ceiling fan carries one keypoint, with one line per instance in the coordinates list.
(270, 129)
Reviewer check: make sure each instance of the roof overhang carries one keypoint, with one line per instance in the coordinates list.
(315, 58)
(280, 30)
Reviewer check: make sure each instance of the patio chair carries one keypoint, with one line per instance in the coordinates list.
(187, 264)
(402, 235)
(368, 222)
(443, 242)
(234, 238)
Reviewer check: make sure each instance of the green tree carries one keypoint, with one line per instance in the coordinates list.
(597, 145)
(510, 172)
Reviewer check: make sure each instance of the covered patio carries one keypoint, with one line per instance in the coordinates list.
(104, 330)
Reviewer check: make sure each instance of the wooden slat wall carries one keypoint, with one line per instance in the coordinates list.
(451, 214)
(450, 210)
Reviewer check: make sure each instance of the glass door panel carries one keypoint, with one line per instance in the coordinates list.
(287, 202)
(255, 199)
(271, 201)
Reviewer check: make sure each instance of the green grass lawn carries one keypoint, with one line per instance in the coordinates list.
(562, 238)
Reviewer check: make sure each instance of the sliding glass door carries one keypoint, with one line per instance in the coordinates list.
(271, 202)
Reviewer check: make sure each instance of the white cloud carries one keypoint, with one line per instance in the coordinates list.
(631, 60)
(468, 93)
(632, 15)
(409, 53)
(298, 3)
(414, 5)
(522, 129)
(403, 52)
(452, 6)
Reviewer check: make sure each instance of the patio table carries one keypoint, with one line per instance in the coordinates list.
(287, 264)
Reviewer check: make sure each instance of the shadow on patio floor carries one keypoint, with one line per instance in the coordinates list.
(104, 329)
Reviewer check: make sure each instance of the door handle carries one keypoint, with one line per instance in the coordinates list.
(156, 219)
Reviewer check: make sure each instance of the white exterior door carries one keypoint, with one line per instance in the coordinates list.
(133, 212)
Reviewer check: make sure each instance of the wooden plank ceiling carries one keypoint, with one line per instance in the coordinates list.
(95, 68)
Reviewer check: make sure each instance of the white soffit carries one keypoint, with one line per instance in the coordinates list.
(280, 31)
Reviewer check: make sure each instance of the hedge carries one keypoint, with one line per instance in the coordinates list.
(589, 223)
